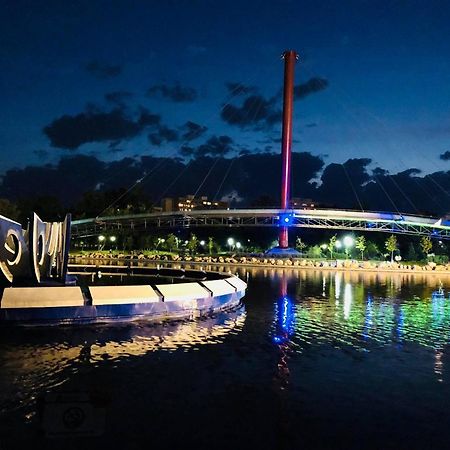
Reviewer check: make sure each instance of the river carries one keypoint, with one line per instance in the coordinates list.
(313, 359)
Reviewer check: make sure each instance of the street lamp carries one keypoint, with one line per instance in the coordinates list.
(202, 243)
(112, 240)
(348, 243)
(159, 241)
(238, 245)
(101, 238)
(230, 242)
(338, 244)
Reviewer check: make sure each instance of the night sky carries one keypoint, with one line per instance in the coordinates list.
(194, 79)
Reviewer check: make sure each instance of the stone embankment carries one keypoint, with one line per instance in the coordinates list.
(278, 262)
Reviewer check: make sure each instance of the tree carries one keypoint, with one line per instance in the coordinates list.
(128, 243)
(361, 245)
(192, 244)
(391, 245)
(171, 242)
(315, 252)
(210, 245)
(372, 250)
(426, 244)
(331, 245)
(300, 245)
(411, 254)
(9, 209)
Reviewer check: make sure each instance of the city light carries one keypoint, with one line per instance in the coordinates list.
(230, 241)
(101, 238)
(238, 245)
(338, 244)
(202, 243)
(112, 238)
(348, 241)
(286, 219)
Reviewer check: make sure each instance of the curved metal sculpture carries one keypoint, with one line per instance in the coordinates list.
(35, 255)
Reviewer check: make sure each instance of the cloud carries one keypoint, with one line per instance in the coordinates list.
(255, 112)
(41, 153)
(192, 131)
(75, 178)
(176, 93)
(343, 184)
(313, 85)
(445, 156)
(409, 172)
(379, 172)
(214, 146)
(240, 88)
(163, 134)
(103, 70)
(118, 98)
(70, 132)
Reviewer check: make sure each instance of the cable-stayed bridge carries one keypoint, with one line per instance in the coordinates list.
(304, 218)
(284, 217)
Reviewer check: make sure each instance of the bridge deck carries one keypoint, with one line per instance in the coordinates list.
(308, 218)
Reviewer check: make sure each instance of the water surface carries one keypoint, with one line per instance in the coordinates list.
(313, 359)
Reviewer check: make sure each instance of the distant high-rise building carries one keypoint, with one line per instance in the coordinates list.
(303, 203)
(167, 204)
(190, 202)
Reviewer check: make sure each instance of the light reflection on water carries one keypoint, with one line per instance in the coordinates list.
(352, 311)
(36, 359)
(328, 346)
(361, 313)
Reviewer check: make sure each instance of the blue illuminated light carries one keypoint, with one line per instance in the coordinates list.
(286, 219)
(284, 320)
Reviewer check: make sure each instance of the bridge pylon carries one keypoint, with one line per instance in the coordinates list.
(290, 57)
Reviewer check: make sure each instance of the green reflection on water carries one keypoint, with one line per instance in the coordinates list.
(365, 312)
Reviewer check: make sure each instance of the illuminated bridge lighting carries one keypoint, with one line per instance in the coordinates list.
(286, 219)
(305, 218)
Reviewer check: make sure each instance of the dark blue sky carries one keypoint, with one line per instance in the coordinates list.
(382, 68)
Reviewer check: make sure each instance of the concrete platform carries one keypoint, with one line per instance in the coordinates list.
(182, 291)
(219, 287)
(42, 297)
(47, 306)
(113, 295)
(237, 283)
(283, 252)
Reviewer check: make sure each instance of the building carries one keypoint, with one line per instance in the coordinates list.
(190, 202)
(167, 204)
(303, 203)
